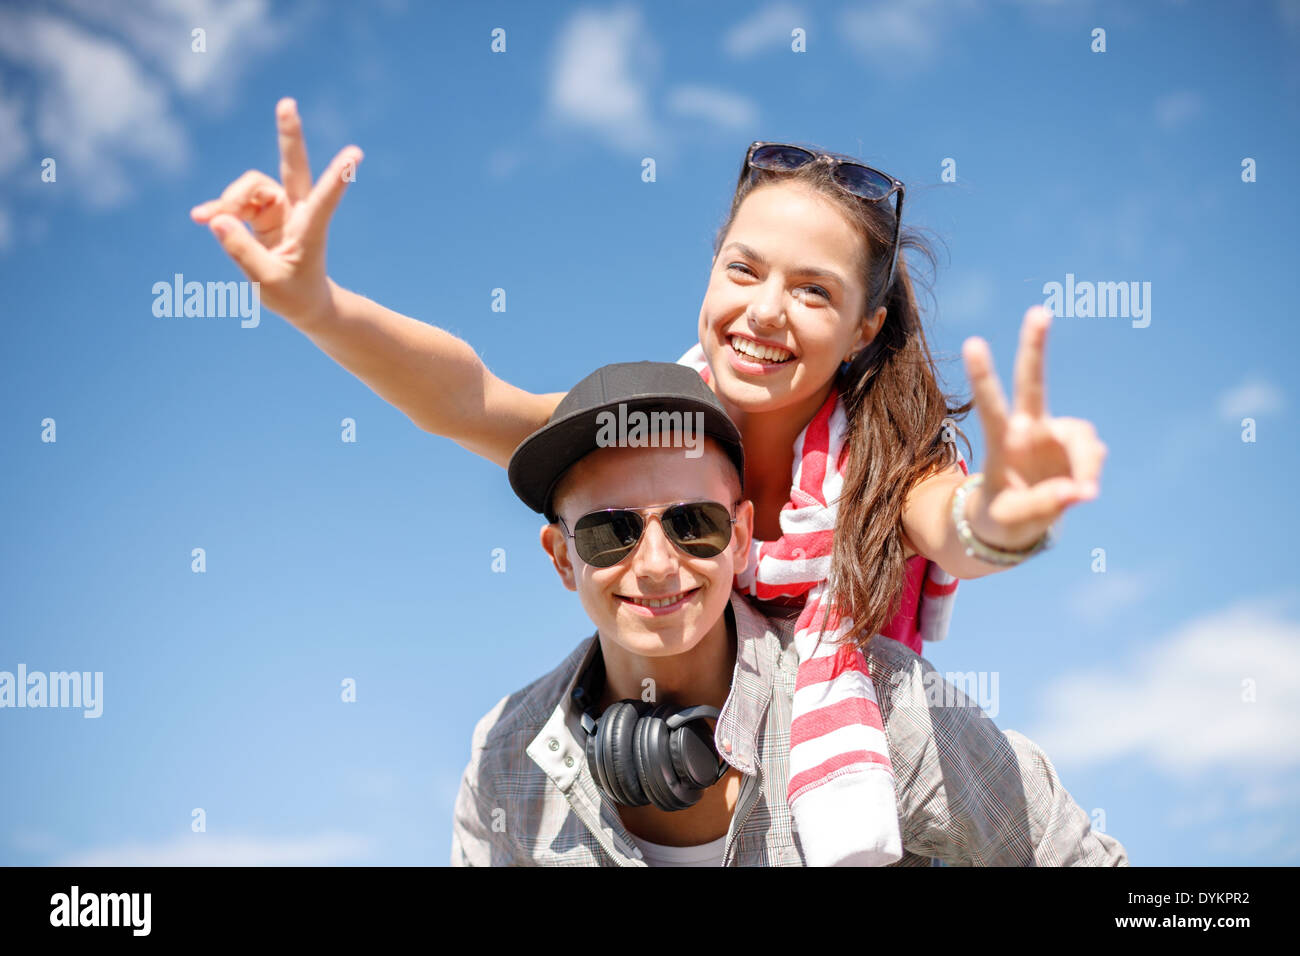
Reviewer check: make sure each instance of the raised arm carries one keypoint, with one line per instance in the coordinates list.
(1036, 466)
(436, 379)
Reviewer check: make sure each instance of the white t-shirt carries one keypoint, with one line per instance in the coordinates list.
(703, 854)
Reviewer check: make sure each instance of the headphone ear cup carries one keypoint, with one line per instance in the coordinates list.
(655, 765)
(694, 758)
(594, 764)
(615, 744)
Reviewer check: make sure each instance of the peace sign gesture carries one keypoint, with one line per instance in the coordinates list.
(285, 252)
(1036, 466)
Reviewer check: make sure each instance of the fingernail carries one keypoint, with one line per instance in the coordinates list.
(220, 228)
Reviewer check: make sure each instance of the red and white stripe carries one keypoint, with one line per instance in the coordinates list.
(841, 790)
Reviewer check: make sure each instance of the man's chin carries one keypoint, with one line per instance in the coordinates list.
(667, 642)
(657, 636)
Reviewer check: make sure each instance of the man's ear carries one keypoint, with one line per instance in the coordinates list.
(742, 533)
(556, 545)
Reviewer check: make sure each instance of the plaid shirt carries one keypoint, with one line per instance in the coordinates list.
(968, 793)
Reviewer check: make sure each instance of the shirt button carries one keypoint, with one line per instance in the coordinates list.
(726, 745)
(568, 761)
(554, 744)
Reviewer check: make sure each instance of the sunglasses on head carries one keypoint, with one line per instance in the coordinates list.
(700, 529)
(853, 177)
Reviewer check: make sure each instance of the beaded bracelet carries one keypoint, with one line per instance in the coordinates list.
(975, 548)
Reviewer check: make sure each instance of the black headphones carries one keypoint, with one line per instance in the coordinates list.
(640, 754)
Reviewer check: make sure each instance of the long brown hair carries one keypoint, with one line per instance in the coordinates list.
(895, 408)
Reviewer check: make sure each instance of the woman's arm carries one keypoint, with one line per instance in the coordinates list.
(436, 379)
(1036, 465)
(433, 377)
(928, 529)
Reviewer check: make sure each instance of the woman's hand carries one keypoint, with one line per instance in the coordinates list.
(1036, 465)
(285, 252)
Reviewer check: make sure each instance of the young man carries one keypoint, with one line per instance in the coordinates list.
(649, 526)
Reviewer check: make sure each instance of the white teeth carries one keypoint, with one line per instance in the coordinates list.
(767, 353)
(658, 602)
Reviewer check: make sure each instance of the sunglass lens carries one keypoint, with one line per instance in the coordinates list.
(701, 529)
(605, 538)
(862, 181)
(780, 157)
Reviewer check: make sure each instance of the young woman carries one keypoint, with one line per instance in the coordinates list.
(809, 312)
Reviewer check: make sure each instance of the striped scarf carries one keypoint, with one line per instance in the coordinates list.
(841, 790)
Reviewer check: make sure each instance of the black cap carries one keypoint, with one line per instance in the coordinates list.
(574, 429)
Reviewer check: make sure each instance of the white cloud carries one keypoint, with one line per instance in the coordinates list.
(902, 36)
(94, 106)
(896, 31)
(207, 849)
(769, 27)
(1103, 594)
(1178, 704)
(13, 138)
(600, 74)
(159, 33)
(1251, 399)
(104, 81)
(719, 107)
(603, 79)
(1177, 109)
(1189, 439)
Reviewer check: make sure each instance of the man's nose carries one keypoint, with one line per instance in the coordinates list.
(655, 557)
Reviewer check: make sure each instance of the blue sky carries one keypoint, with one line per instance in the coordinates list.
(1165, 688)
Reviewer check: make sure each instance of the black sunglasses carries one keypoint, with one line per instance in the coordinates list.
(854, 177)
(701, 529)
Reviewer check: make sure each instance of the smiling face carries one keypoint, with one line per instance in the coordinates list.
(626, 601)
(785, 300)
